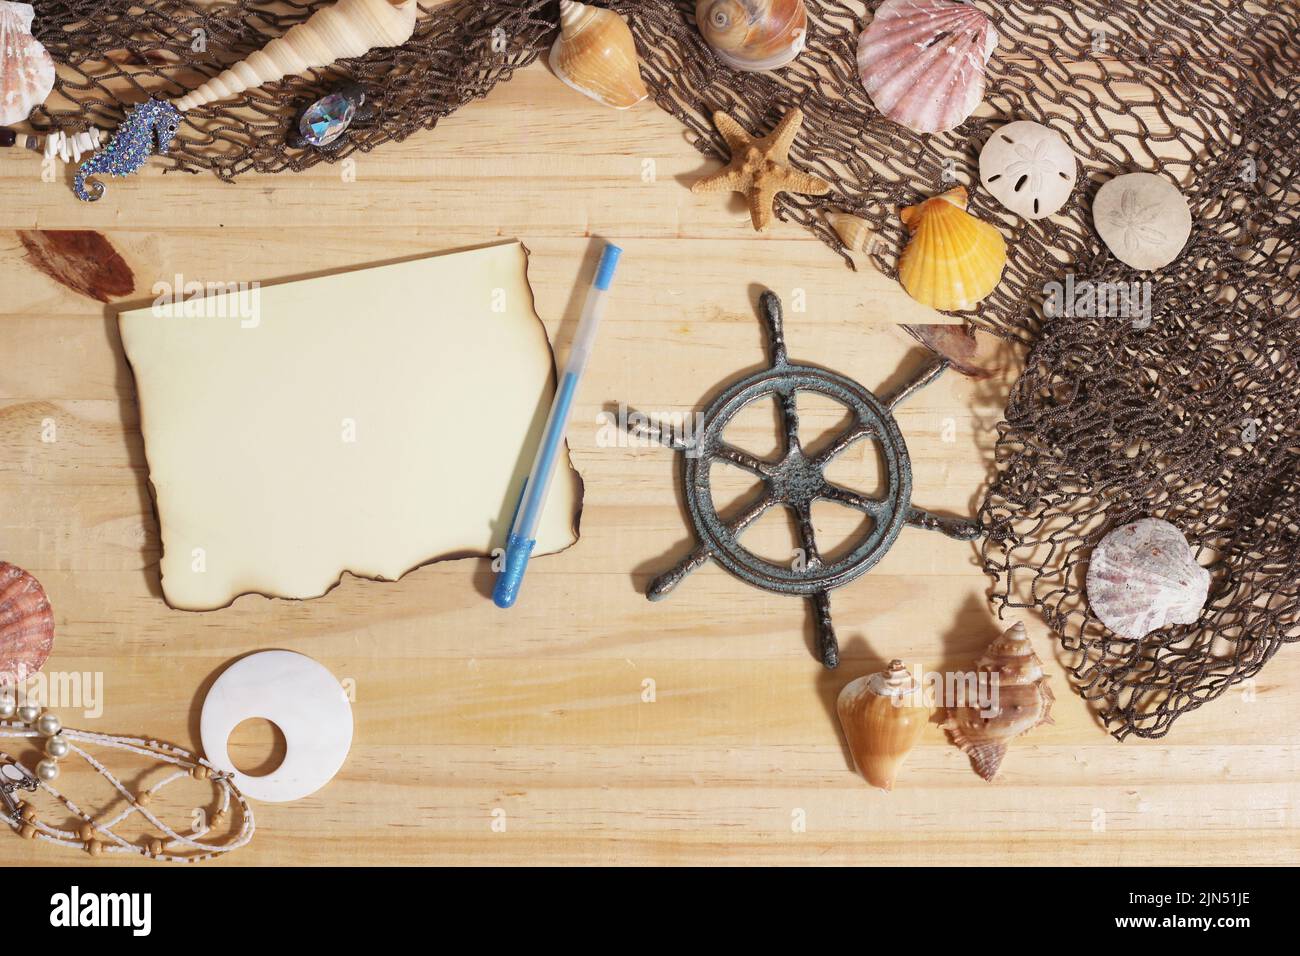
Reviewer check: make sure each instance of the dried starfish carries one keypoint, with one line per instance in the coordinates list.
(760, 168)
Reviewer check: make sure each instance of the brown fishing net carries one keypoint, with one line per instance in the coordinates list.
(1193, 416)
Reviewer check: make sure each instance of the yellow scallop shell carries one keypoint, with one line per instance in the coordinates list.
(953, 260)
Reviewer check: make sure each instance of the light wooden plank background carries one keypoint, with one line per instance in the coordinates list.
(467, 716)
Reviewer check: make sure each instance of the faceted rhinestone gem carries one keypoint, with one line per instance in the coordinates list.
(327, 119)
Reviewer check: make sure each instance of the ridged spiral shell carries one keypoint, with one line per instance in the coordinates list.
(1023, 702)
(346, 29)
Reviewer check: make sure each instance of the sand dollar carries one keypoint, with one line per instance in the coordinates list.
(1028, 168)
(1143, 219)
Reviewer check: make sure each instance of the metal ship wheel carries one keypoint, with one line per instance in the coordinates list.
(796, 480)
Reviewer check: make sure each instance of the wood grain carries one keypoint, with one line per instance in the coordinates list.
(586, 725)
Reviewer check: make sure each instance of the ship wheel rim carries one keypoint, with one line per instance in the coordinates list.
(725, 547)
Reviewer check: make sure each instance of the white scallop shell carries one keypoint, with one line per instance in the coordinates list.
(1028, 168)
(922, 61)
(26, 69)
(1143, 576)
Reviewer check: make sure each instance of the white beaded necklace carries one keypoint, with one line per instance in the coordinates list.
(98, 837)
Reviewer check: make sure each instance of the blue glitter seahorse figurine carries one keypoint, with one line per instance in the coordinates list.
(149, 127)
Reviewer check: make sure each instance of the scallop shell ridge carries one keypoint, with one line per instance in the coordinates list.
(952, 260)
(922, 62)
(1143, 576)
(26, 624)
(26, 68)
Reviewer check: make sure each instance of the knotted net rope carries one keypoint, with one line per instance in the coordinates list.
(1194, 416)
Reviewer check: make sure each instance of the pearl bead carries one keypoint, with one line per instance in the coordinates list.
(28, 713)
(47, 769)
(48, 724)
(57, 746)
(8, 707)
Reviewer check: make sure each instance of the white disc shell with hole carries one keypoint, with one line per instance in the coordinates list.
(1028, 168)
(298, 695)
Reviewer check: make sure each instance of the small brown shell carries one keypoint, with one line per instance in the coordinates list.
(881, 722)
(854, 231)
(1023, 701)
(26, 625)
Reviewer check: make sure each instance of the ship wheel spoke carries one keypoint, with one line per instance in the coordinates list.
(661, 585)
(648, 429)
(926, 376)
(842, 442)
(741, 459)
(751, 514)
(853, 499)
(961, 529)
(828, 646)
(807, 537)
(789, 419)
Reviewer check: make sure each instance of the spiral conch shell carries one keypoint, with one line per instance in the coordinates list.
(754, 35)
(26, 625)
(922, 61)
(854, 231)
(26, 69)
(1019, 700)
(348, 28)
(596, 55)
(1143, 576)
(953, 260)
(882, 720)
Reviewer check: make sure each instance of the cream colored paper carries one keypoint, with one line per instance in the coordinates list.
(370, 421)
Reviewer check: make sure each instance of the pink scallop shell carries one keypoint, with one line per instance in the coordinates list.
(922, 61)
(1143, 576)
(26, 625)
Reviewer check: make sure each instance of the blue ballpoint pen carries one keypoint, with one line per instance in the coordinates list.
(528, 513)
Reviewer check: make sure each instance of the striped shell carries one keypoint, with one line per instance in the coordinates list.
(953, 260)
(595, 54)
(26, 625)
(345, 29)
(1143, 576)
(883, 717)
(922, 62)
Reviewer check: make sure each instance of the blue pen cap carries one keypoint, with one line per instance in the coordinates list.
(518, 551)
(608, 263)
